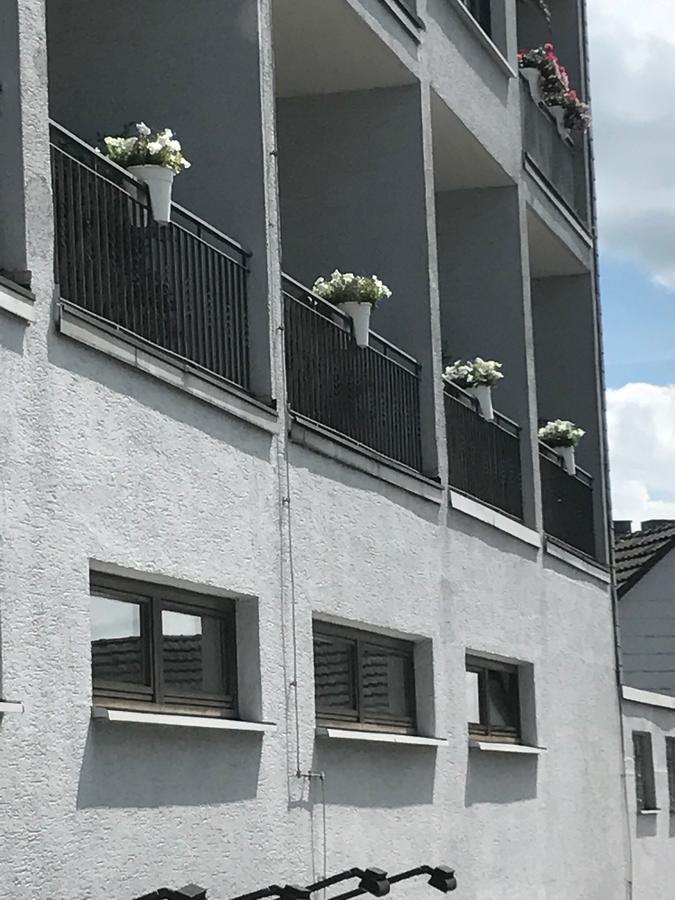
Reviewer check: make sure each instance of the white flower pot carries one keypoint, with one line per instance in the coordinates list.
(159, 180)
(360, 315)
(568, 457)
(533, 79)
(558, 114)
(483, 393)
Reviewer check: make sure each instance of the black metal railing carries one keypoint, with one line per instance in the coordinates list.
(559, 160)
(567, 502)
(483, 457)
(370, 395)
(181, 286)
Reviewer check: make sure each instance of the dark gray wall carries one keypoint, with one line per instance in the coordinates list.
(117, 62)
(352, 196)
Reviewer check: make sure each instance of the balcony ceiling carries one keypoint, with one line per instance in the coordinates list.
(324, 47)
(460, 160)
(549, 256)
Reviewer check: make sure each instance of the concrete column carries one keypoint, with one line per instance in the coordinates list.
(568, 378)
(353, 197)
(116, 63)
(481, 245)
(25, 194)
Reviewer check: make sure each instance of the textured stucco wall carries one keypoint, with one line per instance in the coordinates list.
(647, 622)
(103, 464)
(652, 836)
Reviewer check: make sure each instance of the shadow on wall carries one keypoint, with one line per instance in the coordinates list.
(381, 776)
(152, 767)
(500, 778)
(12, 333)
(126, 381)
(647, 826)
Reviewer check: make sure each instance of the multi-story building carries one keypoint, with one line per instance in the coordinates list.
(240, 552)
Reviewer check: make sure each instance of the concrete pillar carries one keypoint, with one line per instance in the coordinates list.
(353, 197)
(118, 62)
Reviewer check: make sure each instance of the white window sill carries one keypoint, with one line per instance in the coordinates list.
(17, 302)
(149, 718)
(7, 706)
(648, 812)
(567, 556)
(478, 510)
(494, 747)
(380, 737)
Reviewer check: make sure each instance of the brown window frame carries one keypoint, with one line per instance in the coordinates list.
(357, 718)
(645, 779)
(484, 729)
(153, 599)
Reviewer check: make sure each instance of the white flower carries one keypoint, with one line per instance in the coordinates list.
(143, 129)
(476, 372)
(561, 433)
(155, 147)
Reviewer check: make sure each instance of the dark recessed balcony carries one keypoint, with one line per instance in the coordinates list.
(368, 394)
(483, 456)
(557, 158)
(181, 287)
(567, 502)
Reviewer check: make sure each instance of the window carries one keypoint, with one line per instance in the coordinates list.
(480, 10)
(363, 680)
(156, 645)
(645, 787)
(670, 762)
(493, 705)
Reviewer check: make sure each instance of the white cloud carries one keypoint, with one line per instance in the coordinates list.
(641, 424)
(633, 97)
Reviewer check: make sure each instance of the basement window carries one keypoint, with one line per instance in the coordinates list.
(493, 703)
(645, 785)
(363, 680)
(153, 646)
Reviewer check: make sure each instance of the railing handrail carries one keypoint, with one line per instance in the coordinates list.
(581, 474)
(335, 310)
(105, 161)
(500, 420)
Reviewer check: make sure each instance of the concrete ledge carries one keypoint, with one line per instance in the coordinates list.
(485, 40)
(150, 718)
(6, 706)
(412, 23)
(577, 562)
(494, 747)
(379, 737)
(87, 329)
(342, 449)
(581, 233)
(478, 510)
(17, 301)
(648, 698)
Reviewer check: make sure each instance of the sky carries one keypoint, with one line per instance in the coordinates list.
(633, 99)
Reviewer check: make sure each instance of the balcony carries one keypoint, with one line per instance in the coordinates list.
(483, 457)
(370, 395)
(560, 161)
(567, 502)
(180, 287)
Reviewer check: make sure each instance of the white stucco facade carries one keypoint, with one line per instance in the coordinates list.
(109, 468)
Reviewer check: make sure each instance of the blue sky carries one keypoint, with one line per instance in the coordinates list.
(633, 105)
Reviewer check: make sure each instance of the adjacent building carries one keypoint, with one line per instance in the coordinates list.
(271, 602)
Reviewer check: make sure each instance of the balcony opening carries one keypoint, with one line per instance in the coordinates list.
(188, 288)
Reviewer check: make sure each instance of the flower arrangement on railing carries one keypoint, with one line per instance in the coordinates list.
(549, 83)
(563, 437)
(356, 295)
(154, 158)
(477, 377)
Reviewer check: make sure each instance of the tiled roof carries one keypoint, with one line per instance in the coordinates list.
(636, 553)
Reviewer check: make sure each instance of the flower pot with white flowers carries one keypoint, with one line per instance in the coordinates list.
(355, 295)
(154, 158)
(563, 438)
(477, 377)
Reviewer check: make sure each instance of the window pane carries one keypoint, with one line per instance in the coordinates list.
(473, 697)
(645, 788)
(193, 653)
(334, 681)
(117, 645)
(502, 699)
(386, 683)
(670, 761)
